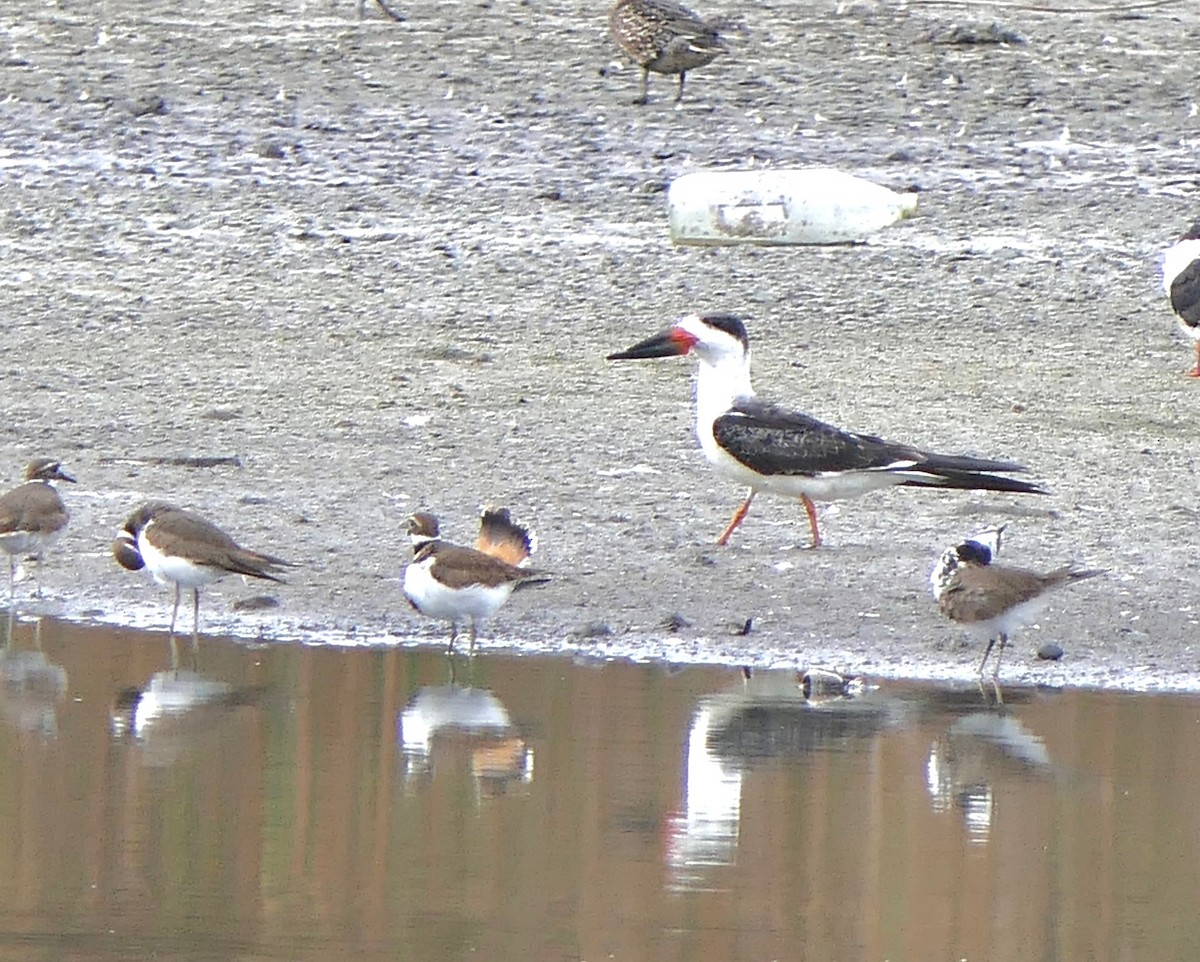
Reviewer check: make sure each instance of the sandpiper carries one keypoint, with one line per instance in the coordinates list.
(183, 548)
(775, 449)
(456, 583)
(992, 598)
(33, 516)
(1181, 281)
(665, 37)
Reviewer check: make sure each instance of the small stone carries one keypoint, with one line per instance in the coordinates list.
(593, 629)
(1050, 652)
(148, 105)
(816, 682)
(256, 603)
(676, 622)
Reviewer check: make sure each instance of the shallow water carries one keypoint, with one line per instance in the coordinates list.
(362, 268)
(305, 802)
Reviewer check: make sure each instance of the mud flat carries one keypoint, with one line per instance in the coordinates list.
(364, 267)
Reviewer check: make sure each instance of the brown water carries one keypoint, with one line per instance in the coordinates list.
(293, 802)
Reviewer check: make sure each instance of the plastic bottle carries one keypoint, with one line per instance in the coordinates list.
(812, 205)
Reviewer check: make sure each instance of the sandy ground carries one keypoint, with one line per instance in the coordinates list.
(369, 266)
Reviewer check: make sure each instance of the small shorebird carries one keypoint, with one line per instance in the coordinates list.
(993, 598)
(1181, 281)
(32, 516)
(182, 548)
(781, 451)
(665, 37)
(456, 583)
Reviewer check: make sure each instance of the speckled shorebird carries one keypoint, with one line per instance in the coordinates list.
(456, 583)
(775, 449)
(992, 598)
(182, 548)
(1181, 281)
(32, 515)
(665, 37)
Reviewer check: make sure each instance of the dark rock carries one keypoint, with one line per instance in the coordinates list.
(256, 603)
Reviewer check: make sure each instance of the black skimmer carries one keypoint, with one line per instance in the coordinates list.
(665, 37)
(997, 599)
(32, 515)
(781, 451)
(1181, 281)
(456, 583)
(182, 548)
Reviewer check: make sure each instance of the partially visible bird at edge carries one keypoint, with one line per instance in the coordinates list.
(33, 516)
(1181, 283)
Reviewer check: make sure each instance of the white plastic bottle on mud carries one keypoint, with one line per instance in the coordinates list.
(811, 205)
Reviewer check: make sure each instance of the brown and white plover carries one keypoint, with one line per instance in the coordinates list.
(455, 583)
(182, 548)
(33, 515)
(994, 599)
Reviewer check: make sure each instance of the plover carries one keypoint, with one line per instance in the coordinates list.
(456, 583)
(665, 37)
(1181, 281)
(33, 516)
(775, 449)
(182, 548)
(992, 598)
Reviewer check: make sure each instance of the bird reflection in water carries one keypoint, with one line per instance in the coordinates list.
(177, 710)
(771, 718)
(31, 686)
(441, 722)
(976, 753)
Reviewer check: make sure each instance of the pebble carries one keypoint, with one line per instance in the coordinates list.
(1050, 652)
